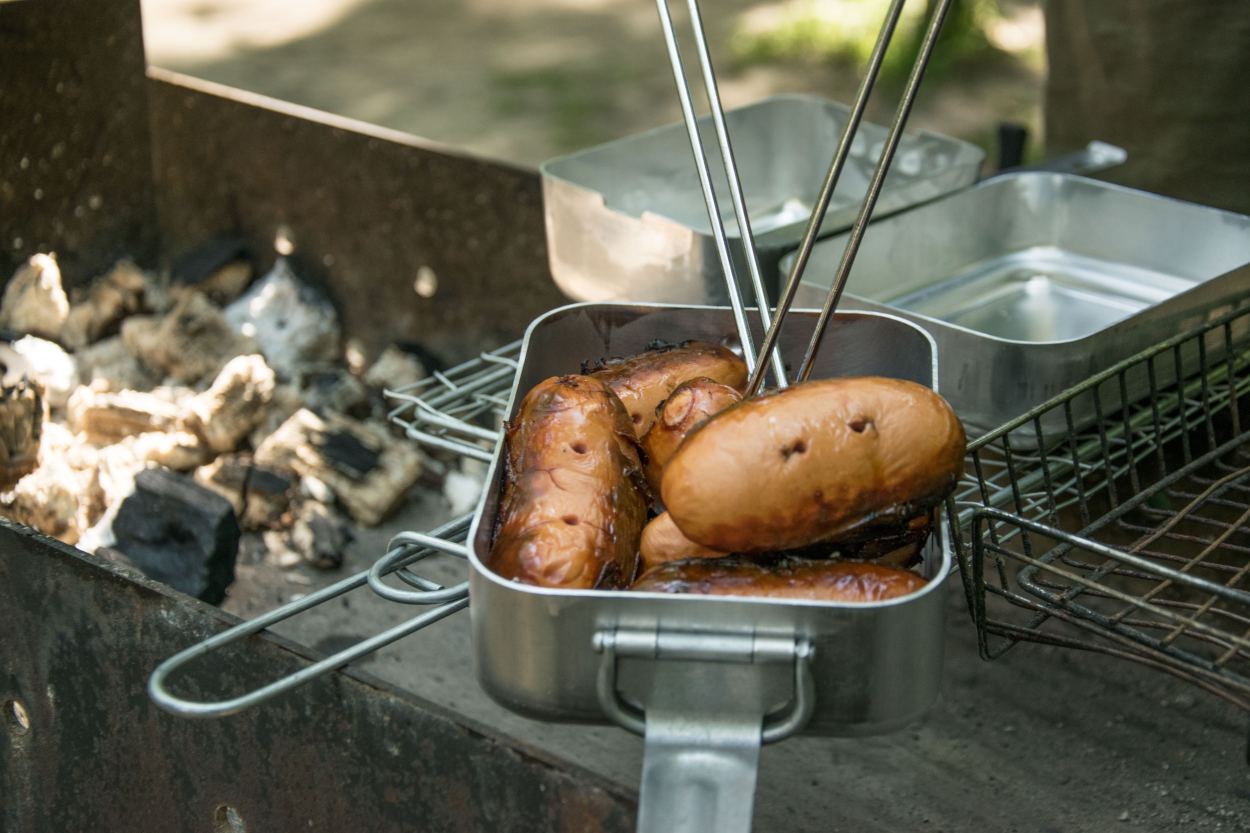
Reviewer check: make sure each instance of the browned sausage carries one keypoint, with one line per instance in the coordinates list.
(573, 503)
(644, 381)
(782, 578)
(813, 462)
(687, 407)
(662, 541)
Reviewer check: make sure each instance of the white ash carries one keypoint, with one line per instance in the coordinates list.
(293, 324)
(62, 497)
(285, 400)
(234, 404)
(316, 489)
(281, 551)
(108, 365)
(463, 489)
(34, 301)
(191, 343)
(111, 417)
(115, 477)
(181, 451)
(110, 298)
(320, 536)
(394, 369)
(45, 362)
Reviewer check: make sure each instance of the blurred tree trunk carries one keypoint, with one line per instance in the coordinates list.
(1168, 80)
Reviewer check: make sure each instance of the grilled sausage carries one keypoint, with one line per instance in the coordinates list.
(781, 578)
(662, 542)
(644, 381)
(813, 463)
(688, 406)
(574, 502)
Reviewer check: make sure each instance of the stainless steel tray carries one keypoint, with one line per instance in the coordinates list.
(875, 666)
(626, 220)
(1031, 283)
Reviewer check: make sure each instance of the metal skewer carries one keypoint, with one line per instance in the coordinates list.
(834, 173)
(735, 191)
(709, 191)
(874, 189)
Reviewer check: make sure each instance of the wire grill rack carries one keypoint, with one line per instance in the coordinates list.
(1115, 517)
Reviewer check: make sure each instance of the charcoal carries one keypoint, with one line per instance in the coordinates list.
(110, 298)
(234, 404)
(295, 326)
(260, 495)
(21, 425)
(320, 536)
(34, 301)
(366, 468)
(218, 268)
(110, 417)
(178, 532)
(394, 369)
(337, 390)
(109, 366)
(192, 342)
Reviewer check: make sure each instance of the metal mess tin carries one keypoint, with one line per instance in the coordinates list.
(627, 221)
(872, 667)
(1032, 282)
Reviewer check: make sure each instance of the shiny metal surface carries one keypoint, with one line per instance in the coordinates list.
(856, 235)
(626, 220)
(741, 214)
(798, 264)
(1032, 282)
(875, 666)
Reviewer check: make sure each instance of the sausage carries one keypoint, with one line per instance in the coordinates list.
(781, 578)
(688, 406)
(644, 381)
(662, 542)
(574, 501)
(814, 463)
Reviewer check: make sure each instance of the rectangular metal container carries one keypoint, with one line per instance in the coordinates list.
(876, 665)
(626, 220)
(1033, 282)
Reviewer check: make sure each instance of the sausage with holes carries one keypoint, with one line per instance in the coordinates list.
(689, 405)
(781, 578)
(814, 463)
(574, 502)
(644, 381)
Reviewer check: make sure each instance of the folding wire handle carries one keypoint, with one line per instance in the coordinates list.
(406, 549)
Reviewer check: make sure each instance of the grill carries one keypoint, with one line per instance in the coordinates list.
(1127, 532)
(1127, 535)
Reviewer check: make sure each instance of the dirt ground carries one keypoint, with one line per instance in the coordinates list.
(524, 81)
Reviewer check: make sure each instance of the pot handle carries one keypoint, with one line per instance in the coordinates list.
(700, 757)
(405, 549)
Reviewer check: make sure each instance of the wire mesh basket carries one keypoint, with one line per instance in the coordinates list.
(1127, 530)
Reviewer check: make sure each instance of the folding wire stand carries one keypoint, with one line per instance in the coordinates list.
(1126, 531)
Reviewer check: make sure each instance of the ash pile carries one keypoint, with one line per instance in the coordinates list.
(171, 423)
